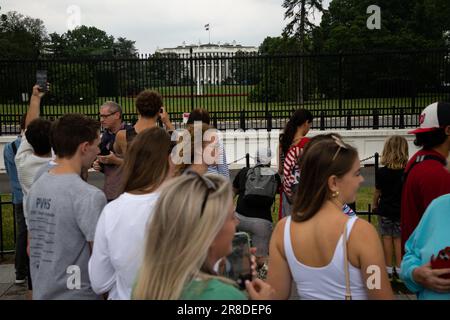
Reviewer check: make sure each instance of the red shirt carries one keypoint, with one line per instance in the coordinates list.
(428, 180)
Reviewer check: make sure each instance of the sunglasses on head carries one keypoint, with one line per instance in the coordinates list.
(341, 145)
(209, 185)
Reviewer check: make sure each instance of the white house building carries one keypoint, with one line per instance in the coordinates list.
(211, 65)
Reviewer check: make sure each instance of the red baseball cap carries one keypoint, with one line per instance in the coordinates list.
(433, 117)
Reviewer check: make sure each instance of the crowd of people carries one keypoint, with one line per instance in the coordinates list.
(166, 216)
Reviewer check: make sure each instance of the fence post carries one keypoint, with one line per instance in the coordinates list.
(269, 121)
(266, 80)
(376, 119)
(116, 76)
(1, 227)
(340, 84)
(242, 120)
(247, 160)
(401, 124)
(191, 63)
(377, 159)
(393, 116)
(322, 120)
(215, 120)
(349, 120)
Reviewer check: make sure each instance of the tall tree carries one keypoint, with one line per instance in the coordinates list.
(410, 24)
(124, 48)
(298, 13)
(21, 36)
(87, 41)
(299, 25)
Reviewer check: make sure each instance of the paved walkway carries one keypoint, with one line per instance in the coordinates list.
(9, 290)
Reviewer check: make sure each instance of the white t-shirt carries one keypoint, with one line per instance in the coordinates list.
(27, 164)
(119, 244)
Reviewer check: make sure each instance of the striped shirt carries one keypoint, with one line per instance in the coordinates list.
(291, 170)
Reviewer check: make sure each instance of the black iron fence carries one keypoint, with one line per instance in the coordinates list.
(360, 90)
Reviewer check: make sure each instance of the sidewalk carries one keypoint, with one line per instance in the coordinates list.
(9, 290)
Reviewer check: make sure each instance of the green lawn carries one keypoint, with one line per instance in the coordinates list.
(177, 100)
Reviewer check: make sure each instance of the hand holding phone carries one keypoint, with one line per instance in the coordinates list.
(41, 80)
(237, 265)
(442, 261)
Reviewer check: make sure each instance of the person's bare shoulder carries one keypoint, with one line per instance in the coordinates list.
(363, 234)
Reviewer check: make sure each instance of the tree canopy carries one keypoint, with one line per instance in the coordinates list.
(24, 37)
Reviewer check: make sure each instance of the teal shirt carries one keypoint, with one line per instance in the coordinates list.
(431, 235)
(213, 289)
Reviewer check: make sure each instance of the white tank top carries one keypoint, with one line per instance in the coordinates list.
(328, 282)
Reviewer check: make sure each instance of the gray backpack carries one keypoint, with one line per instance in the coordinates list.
(261, 182)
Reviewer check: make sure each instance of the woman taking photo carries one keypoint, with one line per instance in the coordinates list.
(192, 228)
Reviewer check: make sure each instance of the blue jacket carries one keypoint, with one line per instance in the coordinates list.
(430, 236)
(11, 171)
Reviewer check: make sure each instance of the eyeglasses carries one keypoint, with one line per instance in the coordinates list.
(104, 116)
(209, 185)
(341, 144)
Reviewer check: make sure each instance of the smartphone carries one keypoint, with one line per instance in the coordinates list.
(41, 80)
(237, 265)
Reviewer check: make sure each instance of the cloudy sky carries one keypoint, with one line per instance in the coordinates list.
(159, 24)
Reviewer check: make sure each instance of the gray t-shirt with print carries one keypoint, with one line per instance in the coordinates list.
(63, 216)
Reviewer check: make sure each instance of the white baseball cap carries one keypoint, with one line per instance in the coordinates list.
(433, 117)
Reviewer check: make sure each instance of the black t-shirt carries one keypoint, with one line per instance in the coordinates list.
(260, 209)
(389, 182)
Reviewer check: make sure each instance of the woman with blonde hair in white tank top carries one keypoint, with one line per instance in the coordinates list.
(311, 249)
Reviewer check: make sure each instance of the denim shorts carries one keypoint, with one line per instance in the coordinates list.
(389, 227)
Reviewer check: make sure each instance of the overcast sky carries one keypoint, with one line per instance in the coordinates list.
(160, 24)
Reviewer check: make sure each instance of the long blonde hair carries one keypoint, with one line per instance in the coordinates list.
(395, 153)
(179, 236)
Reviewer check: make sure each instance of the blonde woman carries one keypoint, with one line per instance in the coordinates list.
(387, 199)
(192, 228)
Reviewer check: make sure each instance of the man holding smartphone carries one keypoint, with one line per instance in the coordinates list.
(110, 114)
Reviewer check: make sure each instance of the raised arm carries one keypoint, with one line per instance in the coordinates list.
(35, 103)
(166, 120)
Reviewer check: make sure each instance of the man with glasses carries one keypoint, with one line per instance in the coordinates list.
(107, 162)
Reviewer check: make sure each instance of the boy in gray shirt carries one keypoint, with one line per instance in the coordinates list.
(63, 213)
